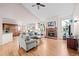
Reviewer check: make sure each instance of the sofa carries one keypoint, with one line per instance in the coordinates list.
(35, 35)
(26, 42)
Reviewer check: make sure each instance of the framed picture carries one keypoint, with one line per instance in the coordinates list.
(52, 23)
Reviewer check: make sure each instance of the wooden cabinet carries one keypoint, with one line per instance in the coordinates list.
(72, 43)
(11, 28)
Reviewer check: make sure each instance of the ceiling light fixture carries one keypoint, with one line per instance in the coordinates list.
(38, 5)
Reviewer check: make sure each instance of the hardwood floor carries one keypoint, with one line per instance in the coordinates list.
(9, 49)
(46, 47)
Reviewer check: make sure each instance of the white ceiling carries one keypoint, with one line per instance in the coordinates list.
(51, 9)
(16, 13)
(25, 13)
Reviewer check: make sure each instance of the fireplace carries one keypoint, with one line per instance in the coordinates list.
(51, 32)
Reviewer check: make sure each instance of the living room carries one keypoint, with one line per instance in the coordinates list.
(28, 28)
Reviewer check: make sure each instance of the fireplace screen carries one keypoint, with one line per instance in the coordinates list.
(51, 34)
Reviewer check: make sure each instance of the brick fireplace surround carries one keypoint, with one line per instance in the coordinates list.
(51, 32)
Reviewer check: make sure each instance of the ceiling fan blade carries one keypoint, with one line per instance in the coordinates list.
(42, 5)
(33, 5)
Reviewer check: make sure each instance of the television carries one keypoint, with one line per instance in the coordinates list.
(52, 23)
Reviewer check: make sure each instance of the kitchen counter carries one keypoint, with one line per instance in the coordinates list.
(7, 37)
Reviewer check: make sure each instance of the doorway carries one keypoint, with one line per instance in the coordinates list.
(66, 28)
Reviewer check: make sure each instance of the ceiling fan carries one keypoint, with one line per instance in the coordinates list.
(38, 5)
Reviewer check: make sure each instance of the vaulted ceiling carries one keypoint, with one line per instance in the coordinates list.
(16, 13)
(25, 13)
(51, 9)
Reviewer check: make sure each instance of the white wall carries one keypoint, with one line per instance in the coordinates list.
(0, 26)
(76, 28)
(59, 29)
(76, 14)
(0, 30)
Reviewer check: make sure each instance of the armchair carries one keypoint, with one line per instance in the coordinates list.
(26, 42)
